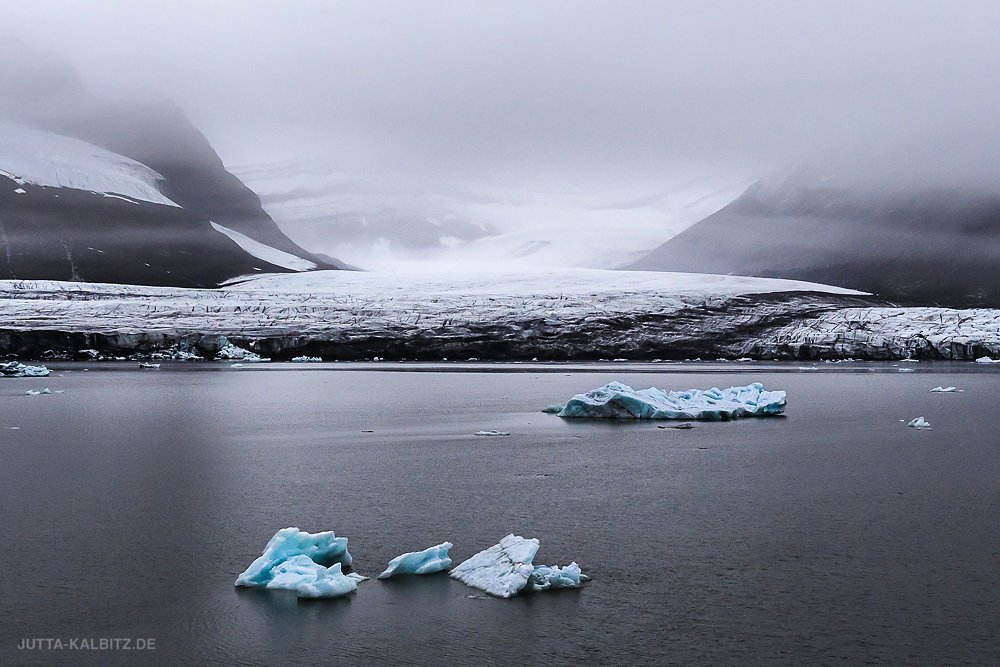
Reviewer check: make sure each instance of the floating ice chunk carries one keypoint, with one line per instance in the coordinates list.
(15, 369)
(553, 409)
(305, 359)
(501, 570)
(322, 548)
(491, 433)
(312, 580)
(946, 389)
(144, 364)
(679, 427)
(332, 585)
(432, 559)
(987, 360)
(619, 401)
(544, 577)
(919, 423)
(905, 370)
(35, 392)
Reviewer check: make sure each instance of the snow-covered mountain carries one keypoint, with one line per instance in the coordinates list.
(380, 221)
(128, 193)
(884, 230)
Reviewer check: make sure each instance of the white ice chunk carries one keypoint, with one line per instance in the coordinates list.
(946, 389)
(501, 570)
(306, 359)
(544, 577)
(491, 433)
(987, 360)
(919, 422)
(322, 548)
(619, 401)
(15, 369)
(230, 351)
(312, 580)
(432, 559)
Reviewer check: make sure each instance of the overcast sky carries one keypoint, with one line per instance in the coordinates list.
(525, 88)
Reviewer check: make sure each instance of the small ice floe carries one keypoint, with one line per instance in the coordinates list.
(297, 560)
(35, 392)
(987, 360)
(306, 359)
(744, 359)
(506, 568)
(905, 370)
(553, 409)
(432, 559)
(808, 368)
(946, 389)
(15, 369)
(919, 423)
(620, 401)
(236, 365)
(682, 426)
(491, 433)
(20, 191)
(13, 428)
(544, 577)
(146, 364)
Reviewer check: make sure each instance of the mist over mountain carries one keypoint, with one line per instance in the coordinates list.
(918, 224)
(119, 192)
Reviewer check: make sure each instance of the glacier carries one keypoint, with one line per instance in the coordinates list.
(620, 401)
(323, 547)
(432, 559)
(15, 369)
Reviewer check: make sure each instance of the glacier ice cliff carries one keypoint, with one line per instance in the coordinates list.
(620, 401)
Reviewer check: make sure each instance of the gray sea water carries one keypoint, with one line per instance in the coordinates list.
(834, 534)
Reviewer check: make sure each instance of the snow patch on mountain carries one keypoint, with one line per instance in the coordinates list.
(29, 156)
(265, 252)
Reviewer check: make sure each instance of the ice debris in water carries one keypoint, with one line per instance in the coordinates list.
(544, 577)
(15, 369)
(35, 392)
(432, 559)
(919, 423)
(290, 543)
(491, 433)
(946, 389)
(306, 359)
(619, 401)
(987, 360)
(554, 409)
(506, 568)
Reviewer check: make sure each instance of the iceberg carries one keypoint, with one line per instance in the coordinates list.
(287, 543)
(919, 423)
(491, 433)
(35, 392)
(15, 369)
(311, 580)
(620, 401)
(503, 569)
(545, 577)
(306, 359)
(432, 559)
(230, 351)
(946, 389)
(987, 360)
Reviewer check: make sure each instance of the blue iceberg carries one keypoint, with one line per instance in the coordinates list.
(311, 580)
(620, 401)
(432, 559)
(287, 543)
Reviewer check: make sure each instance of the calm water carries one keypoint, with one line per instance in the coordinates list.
(835, 534)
